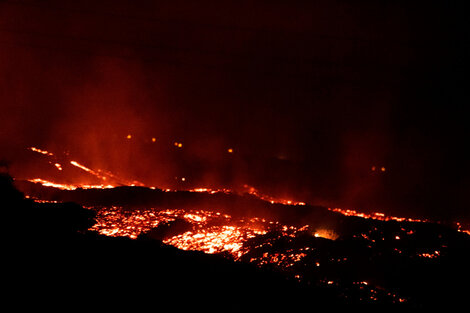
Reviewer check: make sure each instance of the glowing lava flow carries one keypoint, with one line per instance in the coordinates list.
(112, 181)
(100, 174)
(86, 169)
(253, 191)
(207, 231)
(68, 186)
(382, 217)
(304, 253)
(460, 229)
(41, 151)
(227, 236)
(322, 233)
(211, 190)
(215, 239)
(376, 216)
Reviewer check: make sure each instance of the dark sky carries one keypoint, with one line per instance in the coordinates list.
(309, 94)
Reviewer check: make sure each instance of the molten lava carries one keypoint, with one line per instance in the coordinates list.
(296, 250)
(377, 216)
(211, 232)
(44, 152)
(113, 181)
(68, 186)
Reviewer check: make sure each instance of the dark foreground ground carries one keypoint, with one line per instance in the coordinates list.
(53, 262)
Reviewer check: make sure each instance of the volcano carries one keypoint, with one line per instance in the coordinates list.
(263, 156)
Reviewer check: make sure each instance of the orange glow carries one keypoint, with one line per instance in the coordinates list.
(230, 150)
(58, 166)
(382, 169)
(129, 136)
(326, 233)
(154, 139)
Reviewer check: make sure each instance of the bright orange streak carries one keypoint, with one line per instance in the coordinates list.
(51, 184)
(211, 191)
(67, 186)
(86, 169)
(41, 151)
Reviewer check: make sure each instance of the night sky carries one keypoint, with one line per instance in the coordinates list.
(310, 95)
